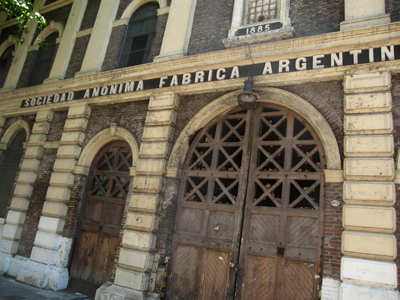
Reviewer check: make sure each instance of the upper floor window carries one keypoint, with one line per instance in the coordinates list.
(5, 64)
(9, 169)
(139, 36)
(261, 10)
(44, 60)
(256, 21)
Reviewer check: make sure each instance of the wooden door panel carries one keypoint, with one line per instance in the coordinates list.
(105, 259)
(264, 229)
(183, 279)
(298, 281)
(214, 275)
(221, 225)
(302, 232)
(259, 278)
(101, 219)
(250, 193)
(191, 221)
(88, 251)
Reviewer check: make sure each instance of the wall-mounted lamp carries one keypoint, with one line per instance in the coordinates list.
(248, 95)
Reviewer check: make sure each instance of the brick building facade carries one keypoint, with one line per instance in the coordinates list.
(145, 174)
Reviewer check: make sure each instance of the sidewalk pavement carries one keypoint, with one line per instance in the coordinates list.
(13, 290)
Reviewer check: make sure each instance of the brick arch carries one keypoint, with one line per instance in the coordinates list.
(102, 138)
(268, 95)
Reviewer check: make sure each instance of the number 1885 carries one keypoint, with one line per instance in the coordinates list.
(255, 29)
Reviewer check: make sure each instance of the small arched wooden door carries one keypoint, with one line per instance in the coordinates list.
(101, 217)
(250, 211)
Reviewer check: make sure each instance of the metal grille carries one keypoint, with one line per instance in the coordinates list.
(251, 195)
(261, 10)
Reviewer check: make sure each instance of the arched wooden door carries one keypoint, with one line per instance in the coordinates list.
(101, 217)
(250, 213)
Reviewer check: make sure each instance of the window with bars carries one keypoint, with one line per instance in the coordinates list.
(9, 169)
(256, 21)
(261, 10)
(43, 62)
(5, 64)
(139, 36)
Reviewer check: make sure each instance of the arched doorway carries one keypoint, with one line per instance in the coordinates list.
(101, 217)
(250, 211)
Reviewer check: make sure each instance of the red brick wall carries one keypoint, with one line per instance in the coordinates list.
(36, 203)
(333, 231)
(128, 115)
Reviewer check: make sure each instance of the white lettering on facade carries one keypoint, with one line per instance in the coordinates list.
(70, 96)
(95, 92)
(371, 55)
(210, 74)
(284, 64)
(121, 88)
(63, 97)
(187, 78)
(317, 61)
(174, 81)
(162, 81)
(140, 86)
(129, 86)
(221, 74)
(389, 53)
(113, 89)
(87, 94)
(235, 72)
(199, 77)
(104, 90)
(337, 59)
(267, 68)
(301, 64)
(355, 55)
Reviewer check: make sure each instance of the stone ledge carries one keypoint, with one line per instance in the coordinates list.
(369, 192)
(368, 102)
(369, 218)
(354, 292)
(367, 82)
(372, 273)
(111, 291)
(368, 245)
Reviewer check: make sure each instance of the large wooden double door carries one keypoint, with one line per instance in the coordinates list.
(101, 218)
(250, 212)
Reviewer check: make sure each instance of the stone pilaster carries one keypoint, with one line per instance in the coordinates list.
(99, 38)
(21, 52)
(178, 29)
(47, 267)
(135, 273)
(67, 43)
(369, 218)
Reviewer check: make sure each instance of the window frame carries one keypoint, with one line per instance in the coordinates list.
(136, 20)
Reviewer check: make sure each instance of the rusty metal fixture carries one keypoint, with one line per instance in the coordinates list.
(248, 95)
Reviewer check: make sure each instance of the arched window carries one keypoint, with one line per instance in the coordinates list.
(44, 60)
(139, 36)
(9, 169)
(5, 64)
